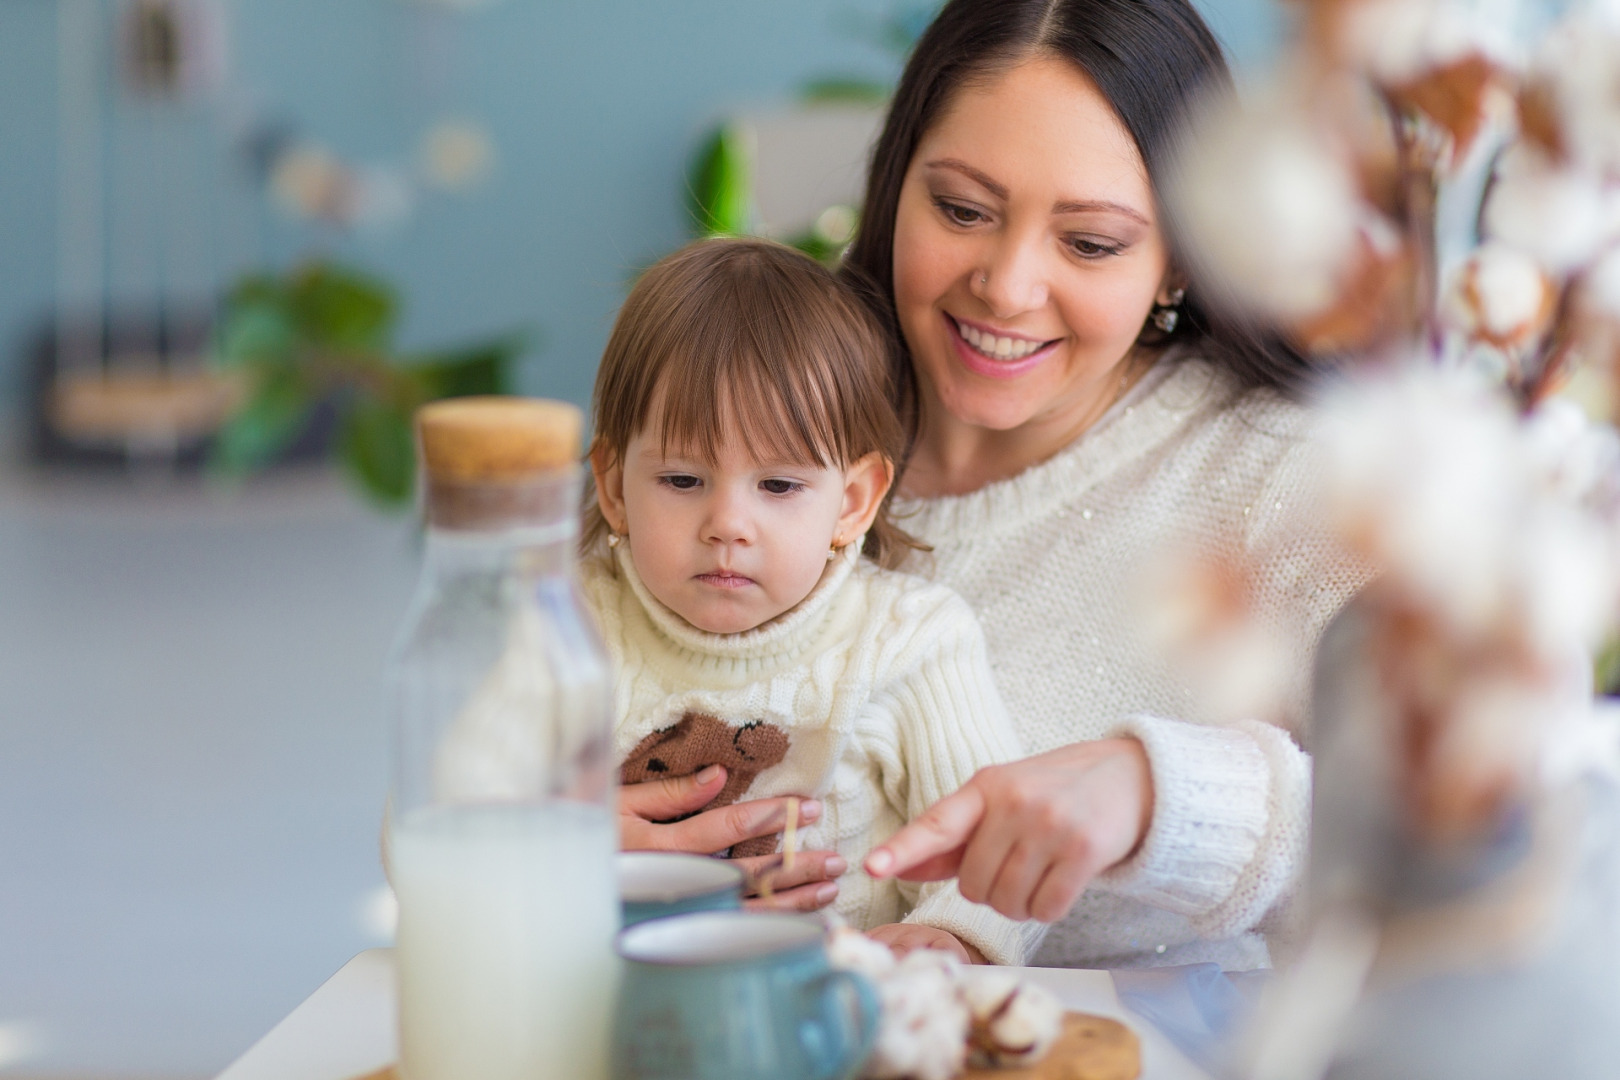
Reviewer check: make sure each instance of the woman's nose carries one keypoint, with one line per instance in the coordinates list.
(1012, 278)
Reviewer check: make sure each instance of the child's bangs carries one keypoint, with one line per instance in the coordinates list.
(776, 406)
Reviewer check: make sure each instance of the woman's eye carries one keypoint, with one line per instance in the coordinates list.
(958, 214)
(1094, 249)
(679, 481)
(781, 487)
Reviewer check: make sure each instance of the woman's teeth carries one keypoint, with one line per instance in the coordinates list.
(998, 348)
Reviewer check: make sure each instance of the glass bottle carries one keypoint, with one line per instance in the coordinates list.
(502, 835)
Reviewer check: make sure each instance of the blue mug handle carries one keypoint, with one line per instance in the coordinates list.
(827, 1041)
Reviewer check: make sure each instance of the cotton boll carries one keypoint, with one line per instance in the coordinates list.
(1398, 42)
(1500, 297)
(1568, 581)
(923, 1033)
(308, 181)
(1576, 79)
(1422, 474)
(1270, 209)
(1013, 1023)
(1600, 289)
(1573, 459)
(1202, 611)
(456, 155)
(851, 950)
(1559, 217)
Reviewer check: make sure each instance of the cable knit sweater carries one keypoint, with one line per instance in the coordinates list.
(879, 682)
(1052, 560)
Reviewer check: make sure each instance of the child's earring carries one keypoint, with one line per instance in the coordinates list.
(837, 545)
(614, 539)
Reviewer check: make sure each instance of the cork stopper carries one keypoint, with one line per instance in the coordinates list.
(500, 462)
(475, 440)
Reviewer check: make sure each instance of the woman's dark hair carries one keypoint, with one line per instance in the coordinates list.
(1153, 60)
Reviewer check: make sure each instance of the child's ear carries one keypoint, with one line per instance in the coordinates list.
(865, 484)
(609, 476)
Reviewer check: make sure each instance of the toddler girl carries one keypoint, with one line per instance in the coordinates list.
(739, 561)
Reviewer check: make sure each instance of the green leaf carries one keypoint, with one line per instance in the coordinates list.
(478, 369)
(838, 89)
(257, 330)
(720, 185)
(272, 418)
(376, 447)
(340, 308)
(1608, 669)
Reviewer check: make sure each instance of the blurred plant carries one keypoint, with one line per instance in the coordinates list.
(720, 199)
(720, 181)
(322, 336)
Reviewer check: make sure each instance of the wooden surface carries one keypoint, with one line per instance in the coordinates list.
(1090, 1048)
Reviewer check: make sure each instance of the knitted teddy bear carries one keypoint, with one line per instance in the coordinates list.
(698, 741)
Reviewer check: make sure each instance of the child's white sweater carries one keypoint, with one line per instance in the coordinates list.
(881, 684)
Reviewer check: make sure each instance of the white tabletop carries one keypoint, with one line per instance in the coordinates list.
(346, 1029)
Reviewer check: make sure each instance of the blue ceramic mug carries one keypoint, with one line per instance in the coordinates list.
(732, 995)
(653, 884)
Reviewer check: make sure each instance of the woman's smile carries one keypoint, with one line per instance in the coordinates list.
(1000, 355)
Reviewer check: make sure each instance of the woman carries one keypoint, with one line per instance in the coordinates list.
(1078, 412)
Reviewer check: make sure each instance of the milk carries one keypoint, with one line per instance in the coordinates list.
(505, 942)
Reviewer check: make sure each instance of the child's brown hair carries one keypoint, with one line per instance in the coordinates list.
(756, 334)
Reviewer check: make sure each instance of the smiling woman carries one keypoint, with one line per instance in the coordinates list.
(1078, 415)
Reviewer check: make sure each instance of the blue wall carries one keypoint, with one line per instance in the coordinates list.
(594, 107)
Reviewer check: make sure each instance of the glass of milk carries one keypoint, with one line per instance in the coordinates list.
(501, 833)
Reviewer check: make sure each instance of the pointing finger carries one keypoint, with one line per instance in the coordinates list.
(941, 830)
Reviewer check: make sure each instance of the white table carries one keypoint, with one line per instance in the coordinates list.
(346, 1029)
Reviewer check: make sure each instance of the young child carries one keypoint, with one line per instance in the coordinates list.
(737, 562)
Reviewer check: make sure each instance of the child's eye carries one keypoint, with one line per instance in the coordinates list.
(680, 481)
(778, 486)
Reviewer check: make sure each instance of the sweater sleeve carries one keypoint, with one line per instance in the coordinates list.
(1231, 815)
(951, 722)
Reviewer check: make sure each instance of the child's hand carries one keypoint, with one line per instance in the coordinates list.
(648, 814)
(904, 937)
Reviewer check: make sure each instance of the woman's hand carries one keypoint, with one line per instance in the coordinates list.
(646, 810)
(1028, 837)
(902, 938)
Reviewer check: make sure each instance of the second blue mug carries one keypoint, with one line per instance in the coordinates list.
(733, 995)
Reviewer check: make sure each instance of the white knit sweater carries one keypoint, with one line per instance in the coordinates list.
(882, 685)
(1053, 561)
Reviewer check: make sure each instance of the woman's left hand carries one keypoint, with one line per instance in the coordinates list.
(1028, 837)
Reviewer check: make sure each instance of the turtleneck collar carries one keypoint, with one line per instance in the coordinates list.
(784, 635)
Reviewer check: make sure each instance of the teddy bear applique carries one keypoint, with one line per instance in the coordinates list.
(697, 741)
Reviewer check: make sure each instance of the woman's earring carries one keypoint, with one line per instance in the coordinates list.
(1166, 316)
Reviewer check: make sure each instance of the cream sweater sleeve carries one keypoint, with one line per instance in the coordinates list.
(1231, 815)
(950, 722)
